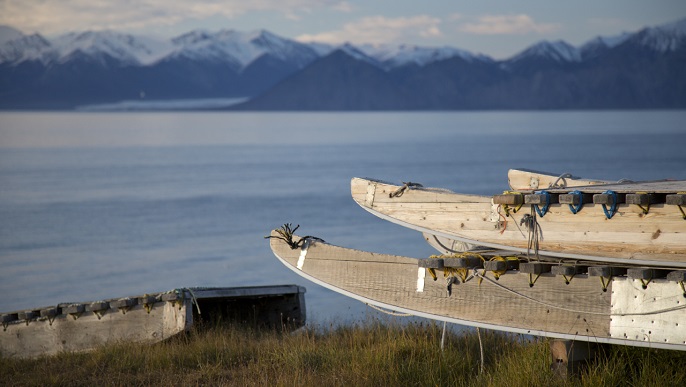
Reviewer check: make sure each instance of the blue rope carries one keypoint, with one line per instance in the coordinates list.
(542, 211)
(577, 208)
(613, 208)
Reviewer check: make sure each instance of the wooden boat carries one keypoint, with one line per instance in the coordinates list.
(527, 179)
(146, 319)
(612, 230)
(615, 310)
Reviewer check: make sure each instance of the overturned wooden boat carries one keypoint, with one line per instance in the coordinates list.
(599, 304)
(146, 319)
(527, 179)
(628, 223)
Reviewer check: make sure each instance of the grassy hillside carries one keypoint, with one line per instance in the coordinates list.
(371, 353)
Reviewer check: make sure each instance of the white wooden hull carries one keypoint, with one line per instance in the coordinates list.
(629, 237)
(625, 314)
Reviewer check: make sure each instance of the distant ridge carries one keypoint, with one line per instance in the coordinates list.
(641, 70)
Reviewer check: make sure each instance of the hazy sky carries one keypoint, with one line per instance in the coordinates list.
(499, 28)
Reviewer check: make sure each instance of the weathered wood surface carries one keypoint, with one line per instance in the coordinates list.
(88, 330)
(629, 237)
(146, 319)
(528, 180)
(580, 310)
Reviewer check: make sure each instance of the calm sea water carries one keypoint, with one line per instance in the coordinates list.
(102, 205)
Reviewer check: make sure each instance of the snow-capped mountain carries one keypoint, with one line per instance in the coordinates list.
(108, 66)
(558, 51)
(665, 38)
(128, 49)
(240, 48)
(391, 56)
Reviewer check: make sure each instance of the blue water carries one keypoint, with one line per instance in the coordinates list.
(102, 205)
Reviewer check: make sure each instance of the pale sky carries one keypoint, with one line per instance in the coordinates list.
(499, 28)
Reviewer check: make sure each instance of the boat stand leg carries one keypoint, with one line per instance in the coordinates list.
(569, 357)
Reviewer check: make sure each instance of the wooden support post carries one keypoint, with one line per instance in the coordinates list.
(608, 199)
(569, 357)
(463, 263)
(644, 199)
(430, 263)
(574, 199)
(509, 199)
(541, 198)
(606, 271)
(646, 273)
(497, 265)
(676, 200)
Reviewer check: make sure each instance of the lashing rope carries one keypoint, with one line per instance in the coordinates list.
(645, 209)
(613, 208)
(400, 191)
(542, 211)
(507, 207)
(577, 207)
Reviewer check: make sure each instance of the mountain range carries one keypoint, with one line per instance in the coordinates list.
(643, 69)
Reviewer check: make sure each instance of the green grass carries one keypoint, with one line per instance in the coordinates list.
(368, 354)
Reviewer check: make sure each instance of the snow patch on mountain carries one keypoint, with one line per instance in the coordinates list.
(664, 38)
(401, 55)
(559, 51)
(26, 48)
(129, 49)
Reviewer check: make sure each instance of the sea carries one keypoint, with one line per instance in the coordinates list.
(97, 205)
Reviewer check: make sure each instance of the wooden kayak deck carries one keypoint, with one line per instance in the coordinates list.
(620, 312)
(630, 236)
(149, 318)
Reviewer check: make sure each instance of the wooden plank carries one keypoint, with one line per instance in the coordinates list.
(568, 270)
(27, 315)
(677, 275)
(509, 199)
(501, 265)
(535, 267)
(580, 310)
(676, 200)
(123, 303)
(608, 199)
(469, 262)
(606, 271)
(430, 263)
(73, 308)
(527, 179)
(50, 312)
(646, 273)
(541, 198)
(644, 199)
(97, 306)
(574, 199)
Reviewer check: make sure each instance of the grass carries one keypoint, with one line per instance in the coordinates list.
(372, 353)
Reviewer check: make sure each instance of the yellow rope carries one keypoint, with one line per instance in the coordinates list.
(498, 273)
(647, 208)
(507, 208)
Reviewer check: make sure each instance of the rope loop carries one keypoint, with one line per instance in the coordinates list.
(613, 208)
(562, 177)
(576, 208)
(400, 191)
(542, 211)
